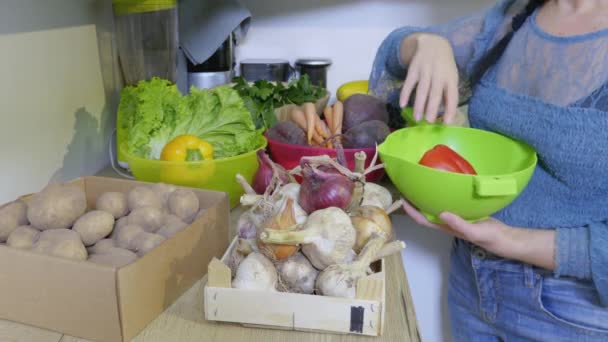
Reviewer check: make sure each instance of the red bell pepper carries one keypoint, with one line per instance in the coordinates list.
(444, 158)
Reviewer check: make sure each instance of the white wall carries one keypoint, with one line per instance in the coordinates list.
(349, 33)
(58, 91)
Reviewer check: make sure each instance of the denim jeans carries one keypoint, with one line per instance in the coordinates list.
(495, 299)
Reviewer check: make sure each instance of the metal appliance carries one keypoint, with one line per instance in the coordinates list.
(216, 70)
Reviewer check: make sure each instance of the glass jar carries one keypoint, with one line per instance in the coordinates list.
(147, 38)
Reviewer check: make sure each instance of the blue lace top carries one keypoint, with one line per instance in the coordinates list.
(551, 92)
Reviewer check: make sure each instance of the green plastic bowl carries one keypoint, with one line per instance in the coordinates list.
(504, 167)
(217, 175)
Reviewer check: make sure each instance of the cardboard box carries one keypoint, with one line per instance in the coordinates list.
(363, 315)
(102, 303)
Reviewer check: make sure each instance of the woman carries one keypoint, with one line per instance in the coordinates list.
(538, 72)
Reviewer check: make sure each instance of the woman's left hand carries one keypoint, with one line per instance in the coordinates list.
(489, 234)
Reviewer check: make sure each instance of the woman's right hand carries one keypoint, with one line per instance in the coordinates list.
(432, 71)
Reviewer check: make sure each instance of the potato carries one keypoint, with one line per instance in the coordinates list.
(58, 206)
(12, 215)
(64, 243)
(113, 202)
(145, 242)
(126, 234)
(94, 226)
(149, 218)
(114, 256)
(119, 223)
(163, 191)
(143, 196)
(102, 246)
(184, 204)
(23, 237)
(173, 224)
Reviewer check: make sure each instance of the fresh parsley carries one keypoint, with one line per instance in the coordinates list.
(262, 97)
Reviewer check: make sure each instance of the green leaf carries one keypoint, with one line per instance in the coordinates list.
(154, 112)
(269, 96)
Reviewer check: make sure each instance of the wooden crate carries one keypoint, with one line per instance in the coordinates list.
(364, 315)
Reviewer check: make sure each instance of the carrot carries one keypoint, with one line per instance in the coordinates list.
(298, 117)
(338, 117)
(327, 133)
(316, 137)
(319, 125)
(309, 111)
(329, 115)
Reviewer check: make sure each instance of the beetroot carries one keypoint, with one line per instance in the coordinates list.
(288, 132)
(366, 134)
(359, 108)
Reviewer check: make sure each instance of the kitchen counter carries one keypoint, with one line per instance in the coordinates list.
(184, 320)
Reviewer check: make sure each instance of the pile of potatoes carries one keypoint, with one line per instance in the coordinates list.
(121, 228)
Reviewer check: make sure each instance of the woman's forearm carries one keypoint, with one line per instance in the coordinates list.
(532, 246)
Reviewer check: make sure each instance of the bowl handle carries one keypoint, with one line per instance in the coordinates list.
(495, 186)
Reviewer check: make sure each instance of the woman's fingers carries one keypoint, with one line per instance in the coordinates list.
(435, 97)
(408, 86)
(451, 102)
(421, 220)
(422, 93)
(417, 216)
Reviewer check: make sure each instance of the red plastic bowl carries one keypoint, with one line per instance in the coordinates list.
(288, 156)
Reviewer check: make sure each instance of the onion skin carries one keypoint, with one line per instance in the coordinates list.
(324, 189)
(285, 219)
(263, 177)
(370, 220)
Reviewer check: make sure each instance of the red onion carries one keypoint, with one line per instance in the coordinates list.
(263, 176)
(324, 189)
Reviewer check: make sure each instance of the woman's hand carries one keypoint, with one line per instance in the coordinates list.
(432, 71)
(533, 246)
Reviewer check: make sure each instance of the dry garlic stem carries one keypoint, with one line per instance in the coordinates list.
(389, 249)
(360, 158)
(245, 185)
(340, 280)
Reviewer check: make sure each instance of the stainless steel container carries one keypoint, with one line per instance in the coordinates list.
(315, 68)
(269, 69)
(216, 70)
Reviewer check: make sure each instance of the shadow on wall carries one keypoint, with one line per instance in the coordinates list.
(90, 140)
(87, 152)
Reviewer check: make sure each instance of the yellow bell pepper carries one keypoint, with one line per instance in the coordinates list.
(183, 152)
(187, 147)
